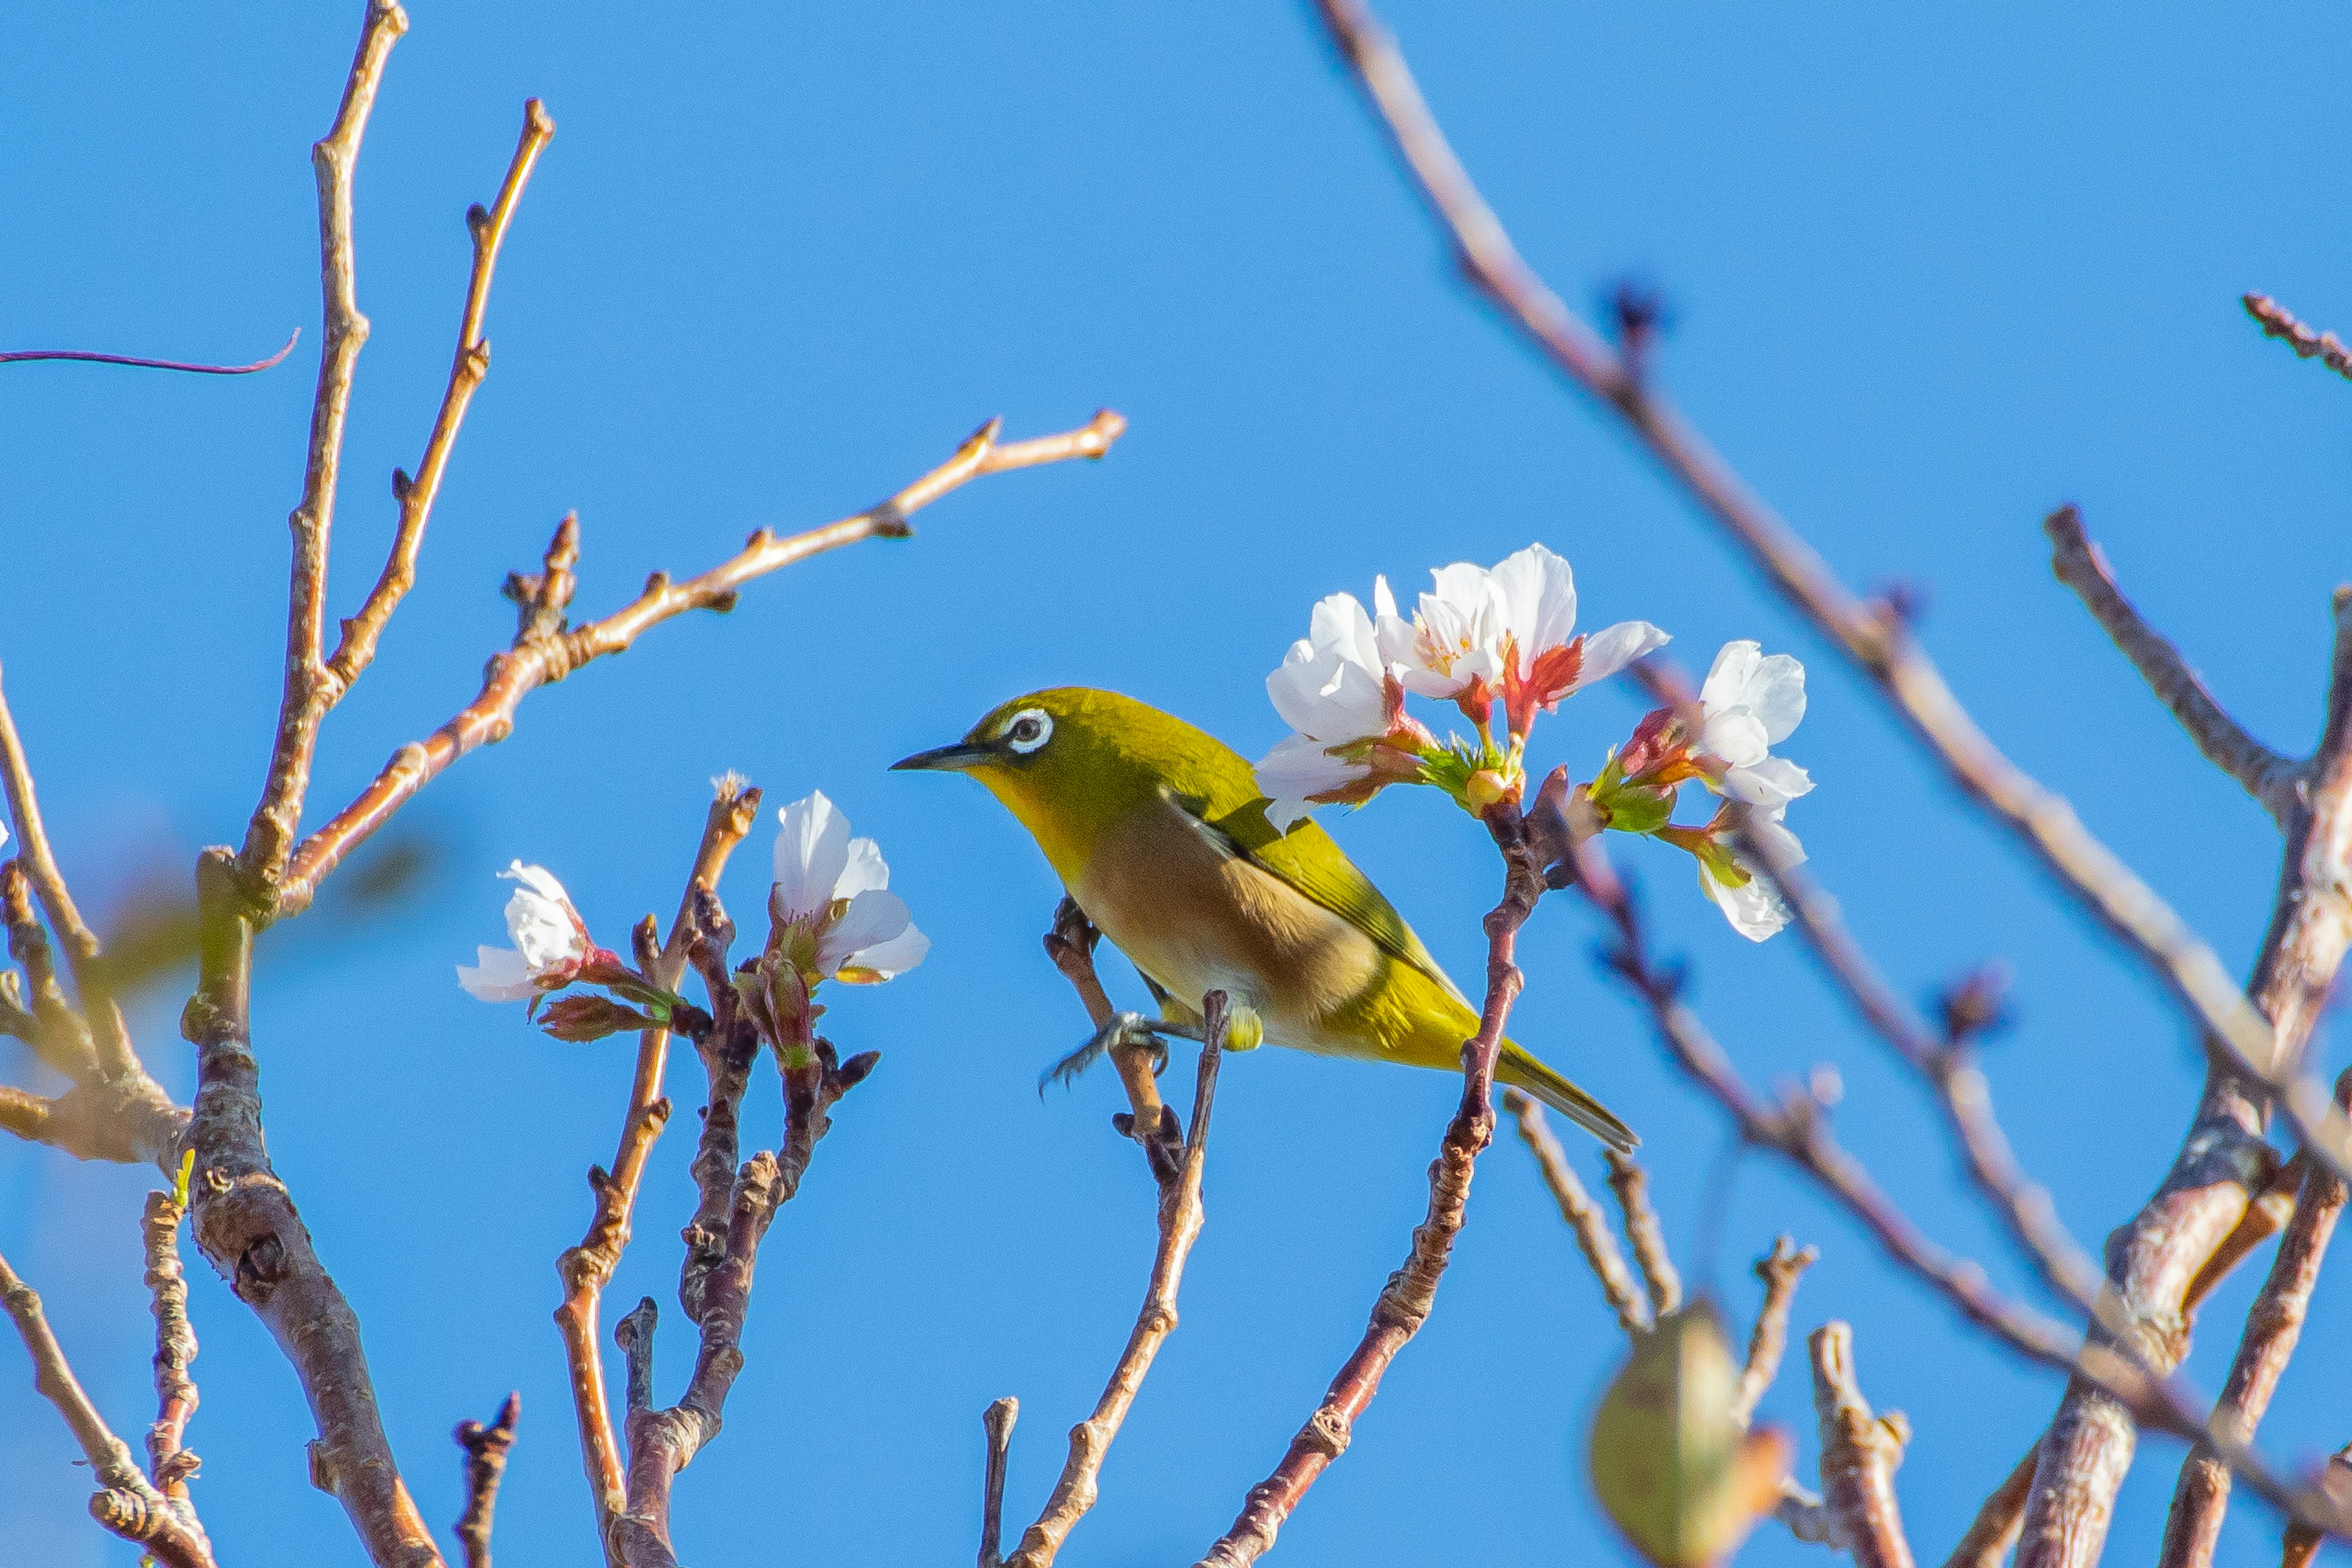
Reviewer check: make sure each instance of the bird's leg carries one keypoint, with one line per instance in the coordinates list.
(1125, 1031)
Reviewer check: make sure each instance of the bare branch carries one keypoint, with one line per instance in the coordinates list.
(1590, 1225)
(486, 1465)
(587, 1269)
(356, 649)
(2273, 1324)
(1994, 1530)
(2269, 777)
(998, 1420)
(169, 1460)
(1859, 1454)
(2301, 1542)
(664, 1442)
(1411, 1291)
(2082, 866)
(536, 661)
(1642, 1231)
(2277, 323)
(1180, 1218)
(1797, 1131)
(1780, 1269)
(1149, 1122)
(115, 1060)
(58, 1036)
(125, 1503)
(335, 159)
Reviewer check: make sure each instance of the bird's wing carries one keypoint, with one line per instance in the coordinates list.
(1234, 817)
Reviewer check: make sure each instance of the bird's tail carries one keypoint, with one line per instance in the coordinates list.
(1519, 1067)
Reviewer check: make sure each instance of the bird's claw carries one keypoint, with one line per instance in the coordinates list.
(1128, 1030)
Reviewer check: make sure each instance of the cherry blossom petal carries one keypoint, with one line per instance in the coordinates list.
(1320, 693)
(812, 854)
(539, 918)
(885, 960)
(865, 870)
(498, 974)
(1726, 681)
(1774, 781)
(1612, 648)
(1737, 736)
(873, 916)
(1776, 695)
(1535, 594)
(1754, 909)
(1299, 768)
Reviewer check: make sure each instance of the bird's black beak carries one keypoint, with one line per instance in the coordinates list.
(962, 757)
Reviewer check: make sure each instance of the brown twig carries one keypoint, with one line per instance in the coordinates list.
(1946, 1064)
(246, 1224)
(1149, 1121)
(169, 1460)
(1647, 1237)
(335, 159)
(58, 1036)
(1585, 1220)
(356, 648)
(115, 1061)
(2278, 322)
(664, 1442)
(998, 1421)
(1780, 1269)
(1796, 1130)
(1180, 1218)
(2273, 1324)
(1411, 1291)
(20, 356)
(2303, 1543)
(486, 1465)
(2206, 1197)
(1859, 1454)
(1990, 1536)
(588, 1267)
(728, 1052)
(125, 1503)
(537, 661)
(2269, 777)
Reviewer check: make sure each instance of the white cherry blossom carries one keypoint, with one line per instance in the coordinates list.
(550, 941)
(834, 888)
(1345, 702)
(1755, 908)
(1750, 704)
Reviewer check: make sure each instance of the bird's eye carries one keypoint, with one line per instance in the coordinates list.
(1031, 728)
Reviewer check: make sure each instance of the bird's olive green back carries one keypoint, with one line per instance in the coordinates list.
(1111, 755)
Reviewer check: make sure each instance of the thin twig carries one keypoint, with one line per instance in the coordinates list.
(1411, 1291)
(537, 661)
(335, 160)
(2269, 777)
(1859, 1454)
(2278, 322)
(2273, 1324)
(1780, 1269)
(998, 1421)
(356, 648)
(1631, 1182)
(1946, 1064)
(486, 1465)
(1994, 1530)
(588, 1267)
(1585, 1220)
(2303, 1543)
(169, 1460)
(59, 1035)
(728, 1052)
(1796, 1130)
(125, 1503)
(20, 356)
(1180, 1218)
(1149, 1121)
(110, 1040)
(664, 1442)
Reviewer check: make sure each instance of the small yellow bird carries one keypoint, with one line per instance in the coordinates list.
(1159, 832)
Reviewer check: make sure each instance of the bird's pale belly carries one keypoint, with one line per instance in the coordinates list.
(1195, 921)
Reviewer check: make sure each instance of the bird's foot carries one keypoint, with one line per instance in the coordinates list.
(1127, 1031)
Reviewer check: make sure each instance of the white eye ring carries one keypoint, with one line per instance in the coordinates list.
(1031, 728)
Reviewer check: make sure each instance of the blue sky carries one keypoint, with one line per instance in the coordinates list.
(1930, 275)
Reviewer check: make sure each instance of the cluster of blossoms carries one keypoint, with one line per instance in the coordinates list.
(831, 917)
(1505, 637)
